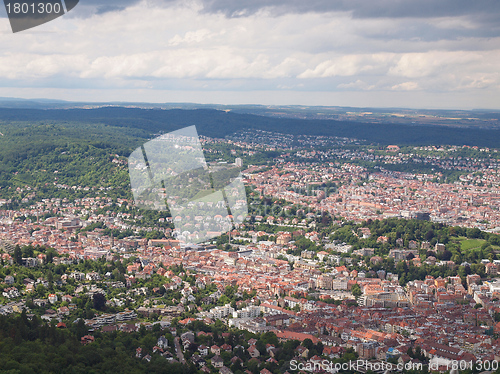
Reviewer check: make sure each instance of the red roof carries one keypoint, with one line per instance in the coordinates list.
(288, 335)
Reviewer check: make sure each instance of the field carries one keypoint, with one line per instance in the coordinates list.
(468, 244)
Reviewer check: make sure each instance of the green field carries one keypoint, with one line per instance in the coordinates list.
(470, 244)
(467, 244)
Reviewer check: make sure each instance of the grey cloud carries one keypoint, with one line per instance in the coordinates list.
(484, 14)
(109, 8)
(361, 8)
(486, 10)
(109, 3)
(87, 8)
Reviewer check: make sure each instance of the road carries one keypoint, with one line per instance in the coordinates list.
(178, 350)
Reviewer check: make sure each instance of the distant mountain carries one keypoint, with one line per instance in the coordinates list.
(481, 119)
(217, 123)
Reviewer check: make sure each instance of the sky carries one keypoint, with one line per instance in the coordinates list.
(361, 53)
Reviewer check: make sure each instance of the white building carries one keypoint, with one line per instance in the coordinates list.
(247, 312)
(221, 311)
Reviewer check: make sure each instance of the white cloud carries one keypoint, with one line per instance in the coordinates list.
(358, 84)
(405, 86)
(415, 65)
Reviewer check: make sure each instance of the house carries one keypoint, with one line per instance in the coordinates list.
(217, 361)
(9, 279)
(40, 302)
(63, 310)
(272, 360)
(302, 351)
(203, 349)
(253, 351)
(162, 342)
(215, 349)
(333, 352)
(125, 327)
(87, 339)
(197, 360)
(77, 276)
(138, 352)
(29, 283)
(225, 370)
(93, 276)
(392, 148)
(236, 359)
(109, 328)
(52, 298)
(11, 293)
(187, 337)
(7, 258)
(315, 360)
(167, 355)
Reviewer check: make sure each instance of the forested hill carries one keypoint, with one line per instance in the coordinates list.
(220, 124)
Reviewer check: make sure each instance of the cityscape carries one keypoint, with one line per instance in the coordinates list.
(335, 261)
(249, 187)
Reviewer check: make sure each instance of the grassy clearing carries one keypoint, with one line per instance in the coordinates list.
(468, 244)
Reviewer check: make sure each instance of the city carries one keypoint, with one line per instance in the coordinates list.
(249, 187)
(343, 259)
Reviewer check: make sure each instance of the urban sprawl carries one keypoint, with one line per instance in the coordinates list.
(324, 257)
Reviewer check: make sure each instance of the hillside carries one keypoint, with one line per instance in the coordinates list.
(220, 124)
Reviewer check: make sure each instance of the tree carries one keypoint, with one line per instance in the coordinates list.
(50, 277)
(356, 290)
(18, 255)
(473, 233)
(429, 235)
(308, 343)
(99, 301)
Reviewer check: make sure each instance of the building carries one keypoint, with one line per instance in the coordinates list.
(367, 350)
(221, 311)
(247, 312)
(325, 282)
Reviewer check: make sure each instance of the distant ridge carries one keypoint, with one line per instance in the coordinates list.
(217, 123)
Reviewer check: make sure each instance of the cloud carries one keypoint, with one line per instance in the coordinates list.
(405, 86)
(262, 46)
(349, 65)
(357, 85)
(480, 17)
(360, 8)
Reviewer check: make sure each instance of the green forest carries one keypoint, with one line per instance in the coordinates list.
(219, 124)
